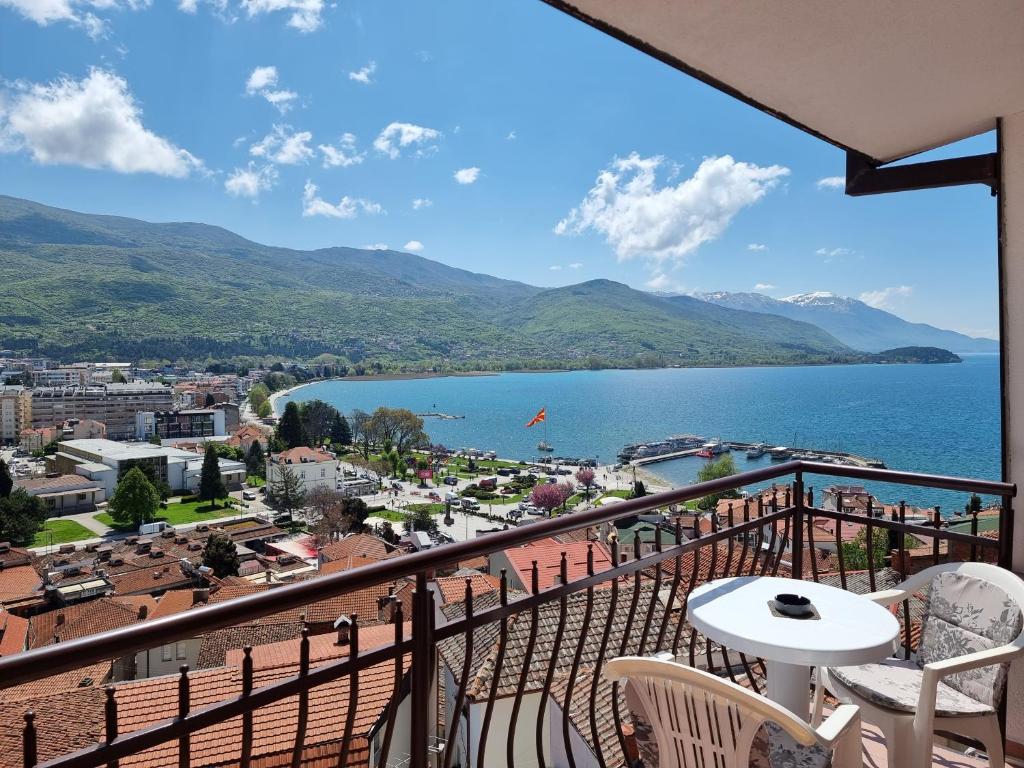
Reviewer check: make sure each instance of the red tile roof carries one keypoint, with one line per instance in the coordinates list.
(453, 588)
(157, 578)
(358, 544)
(17, 582)
(173, 601)
(548, 553)
(300, 455)
(13, 633)
(82, 619)
(348, 563)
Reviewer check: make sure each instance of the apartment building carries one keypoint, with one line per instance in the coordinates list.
(188, 423)
(15, 412)
(113, 404)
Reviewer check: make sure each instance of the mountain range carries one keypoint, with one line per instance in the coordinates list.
(856, 324)
(89, 286)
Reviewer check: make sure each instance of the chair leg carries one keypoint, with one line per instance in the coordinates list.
(900, 745)
(819, 697)
(991, 736)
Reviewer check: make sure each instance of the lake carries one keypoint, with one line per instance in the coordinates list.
(942, 419)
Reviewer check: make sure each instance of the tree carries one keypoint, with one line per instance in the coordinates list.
(290, 429)
(326, 514)
(855, 553)
(362, 436)
(211, 484)
(147, 469)
(713, 470)
(135, 500)
(6, 481)
(221, 555)
(21, 517)
(639, 489)
(341, 434)
(210, 400)
(973, 504)
(277, 367)
(154, 439)
(258, 394)
(287, 490)
(264, 409)
(420, 518)
(585, 477)
(255, 461)
(317, 419)
(398, 426)
(549, 496)
(117, 377)
(387, 532)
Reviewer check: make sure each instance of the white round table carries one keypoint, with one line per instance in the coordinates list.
(851, 630)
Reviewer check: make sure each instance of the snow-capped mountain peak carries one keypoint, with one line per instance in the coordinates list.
(814, 297)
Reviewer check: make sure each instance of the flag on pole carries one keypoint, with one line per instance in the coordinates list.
(541, 416)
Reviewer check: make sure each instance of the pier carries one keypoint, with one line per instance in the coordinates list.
(847, 458)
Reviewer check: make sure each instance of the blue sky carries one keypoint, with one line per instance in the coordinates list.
(305, 124)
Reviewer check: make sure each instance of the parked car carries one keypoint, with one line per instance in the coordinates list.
(148, 529)
(452, 497)
(515, 471)
(249, 495)
(504, 472)
(451, 480)
(469, 503)
(434, 496)
(395, 485)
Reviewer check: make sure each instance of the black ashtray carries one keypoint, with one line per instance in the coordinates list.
(793, 605)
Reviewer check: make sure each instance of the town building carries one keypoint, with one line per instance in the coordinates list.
(170, 425)
(113, 404)
(64, 494)
(313, 468)
(15, 412)
(106, 461)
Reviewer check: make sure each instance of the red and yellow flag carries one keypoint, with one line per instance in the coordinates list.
(541, 416)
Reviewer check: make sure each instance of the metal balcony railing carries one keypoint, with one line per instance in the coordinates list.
(637, 606)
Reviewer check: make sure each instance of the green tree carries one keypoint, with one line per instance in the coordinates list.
(341, 434)
(724, 466)
(855, 552)
(258, 394)
(21, 517)
(255, 461)
(973, 504)
(639, 489)
(420, 518)
(210, 400)
(6, 481)
(211, 484)
(154, 439)
(221, 555)
(362, 435)
(317, 419)
(286, 490)
(147, 469)
(289, 428)
(264, 409)
(135, 500)
(400, 427)
(117, 377)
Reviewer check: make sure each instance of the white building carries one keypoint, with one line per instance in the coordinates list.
(315, 469)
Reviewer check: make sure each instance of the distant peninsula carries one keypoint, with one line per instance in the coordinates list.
(915, 355)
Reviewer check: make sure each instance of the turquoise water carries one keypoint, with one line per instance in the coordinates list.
(942, 419)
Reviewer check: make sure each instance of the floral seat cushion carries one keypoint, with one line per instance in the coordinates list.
(781, 751)
(896, 684)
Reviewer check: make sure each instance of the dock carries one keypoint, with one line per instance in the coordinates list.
(737, 445)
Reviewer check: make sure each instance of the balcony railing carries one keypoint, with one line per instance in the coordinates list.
(637, 606)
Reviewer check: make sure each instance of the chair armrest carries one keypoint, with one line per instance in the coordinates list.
(887, 596)
(972, 660)
(846, 717)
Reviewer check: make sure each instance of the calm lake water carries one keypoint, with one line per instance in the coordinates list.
(942, 419)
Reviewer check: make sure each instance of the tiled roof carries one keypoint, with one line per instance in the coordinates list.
(82, 619)
(485, 638)
(347, 563)
(358, 544)
(173, 601)
(13, 633)
(159, 577)
(36, 485)
(94, 675)
(17, 582)
(56, 732)
(217, 644)
(11, 556)
(453, 588)
(299, 455)
(322, 648)
(548, 553)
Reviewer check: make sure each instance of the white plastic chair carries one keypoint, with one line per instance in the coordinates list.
(699, 719)
(972, 607)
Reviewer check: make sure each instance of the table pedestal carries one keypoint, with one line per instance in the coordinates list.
(790, 686)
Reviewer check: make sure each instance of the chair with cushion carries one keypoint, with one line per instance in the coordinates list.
(970, 633)
(695, 718)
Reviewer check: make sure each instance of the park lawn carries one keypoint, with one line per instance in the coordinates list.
(621, 493)
(389, 514)
(434, 509)
(61, 532)
(255, 481)
(179, 513)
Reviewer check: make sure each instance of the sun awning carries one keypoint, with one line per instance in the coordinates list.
(885, 79)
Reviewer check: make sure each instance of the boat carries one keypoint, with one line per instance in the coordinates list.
(543, 445)
(757, 451)
(706, 453)
(715, 447)
(780, 453)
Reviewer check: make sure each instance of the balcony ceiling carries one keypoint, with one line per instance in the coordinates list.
(886, 79)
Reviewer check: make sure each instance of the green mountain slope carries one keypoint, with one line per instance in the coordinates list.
(81, 285)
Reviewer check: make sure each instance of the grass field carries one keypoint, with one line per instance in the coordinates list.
(389, 515)
(255, 481)
(179, 513)
(61, 532)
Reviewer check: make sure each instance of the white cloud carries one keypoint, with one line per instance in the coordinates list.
(343, 154)
(284, 146)
(511, 136)
(250, 181)
(832, 182)
(94, 122)
(886, 298)
(375, 247)
(78, 13)
(467, 175)
(305, 15)
(421, 202)
(834, 253)
(398, 136)
(346, 208)
(415, 246)
(263, 82)
(576, 265)
(757, 247)
(364, 75)
(763, 286)
(639, 218)
(664, 284)
(555, 267)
